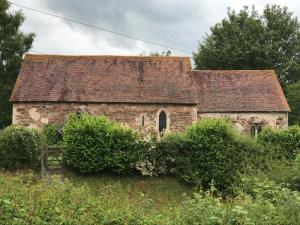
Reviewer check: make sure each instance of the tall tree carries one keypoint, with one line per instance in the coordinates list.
(247, 40)
(293, 96)
(13, 44)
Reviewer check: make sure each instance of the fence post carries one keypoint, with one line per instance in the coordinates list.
(43, 170)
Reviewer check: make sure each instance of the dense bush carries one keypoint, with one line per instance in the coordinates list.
(20, 147)
(25, 203)
(294, 172)
(285, 142)
(213, 152)
(51, 133)
(96, 144)
(157, 154)
(267, 204)
(210, 151)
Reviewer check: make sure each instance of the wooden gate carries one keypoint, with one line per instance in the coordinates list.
(52, 160)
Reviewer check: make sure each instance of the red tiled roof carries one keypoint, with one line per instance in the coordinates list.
(105, 79)
(239, 91)
(136, 79)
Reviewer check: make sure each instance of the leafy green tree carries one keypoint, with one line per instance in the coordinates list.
(248, 40)
(293, 96)
(13, 44)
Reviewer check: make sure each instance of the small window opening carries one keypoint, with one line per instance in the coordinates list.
(256, 129)
(143, 120)
(162, 121)
(79, 113)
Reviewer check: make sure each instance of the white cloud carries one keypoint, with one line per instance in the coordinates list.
(178, 23)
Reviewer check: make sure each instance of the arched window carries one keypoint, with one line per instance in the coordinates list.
(256, 129)
(162, 121)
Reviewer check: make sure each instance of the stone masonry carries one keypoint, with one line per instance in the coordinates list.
(39, 114)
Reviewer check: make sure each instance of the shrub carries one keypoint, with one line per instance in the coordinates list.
(20, 147)
(285, 142)
(30, 201)
(51, 133)
(267, 204)
(57, 202)
(157, 155)
(96, 144)
(295, 173)
(213, 152)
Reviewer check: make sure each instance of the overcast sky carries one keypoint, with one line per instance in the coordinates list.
(178, 23)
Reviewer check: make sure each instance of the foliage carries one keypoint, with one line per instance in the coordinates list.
(164, 53)
(90, 200)
(259, 202)
(247, 40)
(285, 142)
(20, 147)
(295, 171)
(279, 208)
(157, 156)
(51, 133)
(26, 200)
(149, 163)
(213, 153)
(293, 97)
(13, 44)
(96, 144)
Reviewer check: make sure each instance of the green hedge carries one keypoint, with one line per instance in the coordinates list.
(51, 133)
(210, 152)
(96, 144)
(285, 142)
(20, 148)
(213, 153)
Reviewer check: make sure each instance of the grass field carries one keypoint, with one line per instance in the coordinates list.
(112, 200)
(134, 195)
(147, 195)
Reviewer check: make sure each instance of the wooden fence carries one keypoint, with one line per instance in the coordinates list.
(52, 160)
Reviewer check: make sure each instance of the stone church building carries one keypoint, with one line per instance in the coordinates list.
(145, 92)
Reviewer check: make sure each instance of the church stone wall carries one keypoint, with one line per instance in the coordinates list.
(244, 121)
(38, 114)
(178, 116)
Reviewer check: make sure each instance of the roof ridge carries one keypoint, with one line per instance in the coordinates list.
(31, 56)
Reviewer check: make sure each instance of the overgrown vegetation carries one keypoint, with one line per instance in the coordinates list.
(226, 177)
(293, 97)
(52, 135)
(26, 200)
(210, 151)
(96, 144)
(20, 148)
(214, 153)
(285, 143)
